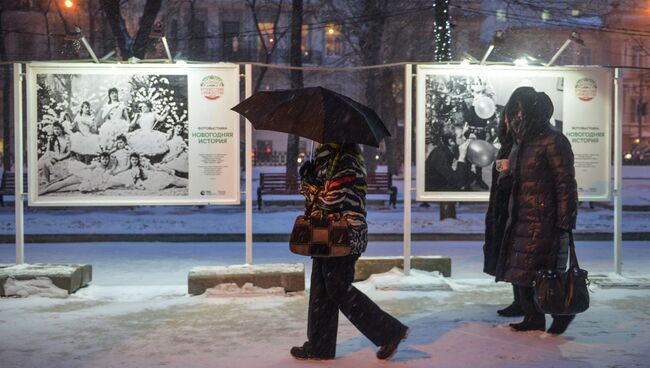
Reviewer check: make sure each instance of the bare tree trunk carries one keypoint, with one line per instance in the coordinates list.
(293, 140)
(442, 45)
(127, 45)
(370, 46)
(46, 9)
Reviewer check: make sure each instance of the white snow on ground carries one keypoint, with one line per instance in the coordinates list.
(136, 313)
(272, 220)
(40, 286)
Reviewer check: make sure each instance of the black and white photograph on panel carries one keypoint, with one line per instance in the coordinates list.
(461, 115)
(112, 135)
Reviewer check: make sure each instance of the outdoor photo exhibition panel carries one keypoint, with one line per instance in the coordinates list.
(460, 103)
(132, 134)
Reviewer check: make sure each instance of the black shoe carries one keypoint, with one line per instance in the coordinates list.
(530, 323)
(305, 352)
(513, 310)
(560, 324)
(388, 350)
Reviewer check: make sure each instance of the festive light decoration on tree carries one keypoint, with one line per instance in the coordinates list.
(442, 30)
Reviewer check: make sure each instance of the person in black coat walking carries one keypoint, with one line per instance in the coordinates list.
(543, 204)
(335, 183)
(497, 213)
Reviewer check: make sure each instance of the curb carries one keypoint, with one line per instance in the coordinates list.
(273, 238)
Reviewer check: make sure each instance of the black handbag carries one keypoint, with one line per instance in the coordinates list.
(563, 293)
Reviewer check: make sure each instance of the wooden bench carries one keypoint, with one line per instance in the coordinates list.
(8, 185)
(378, 183)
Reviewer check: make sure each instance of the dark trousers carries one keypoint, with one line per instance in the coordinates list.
(331, 291)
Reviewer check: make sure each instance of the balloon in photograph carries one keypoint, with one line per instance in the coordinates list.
(481, 153)
(484, 107)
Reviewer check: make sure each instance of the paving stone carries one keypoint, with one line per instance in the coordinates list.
(367, 266)
(291, 277)
(70, 277)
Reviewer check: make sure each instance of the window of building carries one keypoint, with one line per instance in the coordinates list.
(266, 29)
(637, 55)
(333, 43)
(305, 44)
(546, 15)
(230, 41)
(502, 15)
(585, 56)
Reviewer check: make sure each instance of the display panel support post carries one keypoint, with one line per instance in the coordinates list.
(408, 88)
(618, 171)
(18, 163)
(248, 159)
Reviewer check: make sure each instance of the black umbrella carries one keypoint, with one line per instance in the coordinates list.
(315, 113)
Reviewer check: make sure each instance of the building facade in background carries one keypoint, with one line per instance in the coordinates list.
(343, 34)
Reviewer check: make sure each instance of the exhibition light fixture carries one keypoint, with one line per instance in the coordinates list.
(574, 37)
(522, 61)
(497, 40)
(78, 36)
(158, 32)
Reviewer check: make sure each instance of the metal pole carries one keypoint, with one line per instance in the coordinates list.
(559, 52)
(618, 171)
(408, 79)
(487, 53)
(248, 159)
(169, 54)
(18, 163)
(89, 49)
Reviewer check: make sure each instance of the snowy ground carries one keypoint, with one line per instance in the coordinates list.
(136, 313)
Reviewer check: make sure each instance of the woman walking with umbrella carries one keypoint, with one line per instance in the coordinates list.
(335, 183)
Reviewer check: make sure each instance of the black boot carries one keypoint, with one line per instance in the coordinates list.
(535, 322)
(513, 310)
(388, 350)
(306, 352)
(560, 324)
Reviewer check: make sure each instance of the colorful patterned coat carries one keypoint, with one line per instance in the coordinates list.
(335, 182)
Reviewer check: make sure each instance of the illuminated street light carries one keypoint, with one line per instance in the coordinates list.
(68, 4)
(522, 61)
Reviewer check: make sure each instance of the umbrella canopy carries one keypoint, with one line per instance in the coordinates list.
(316, 113)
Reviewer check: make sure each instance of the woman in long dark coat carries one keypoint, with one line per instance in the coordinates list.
(497, 213)
(335, 183)
(543, 203)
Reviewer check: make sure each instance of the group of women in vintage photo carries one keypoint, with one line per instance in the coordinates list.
(112, 149)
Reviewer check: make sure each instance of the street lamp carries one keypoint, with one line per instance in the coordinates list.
(68, 4)
(574, 37)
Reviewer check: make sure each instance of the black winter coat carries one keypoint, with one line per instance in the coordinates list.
(542, 206)
(496, 218)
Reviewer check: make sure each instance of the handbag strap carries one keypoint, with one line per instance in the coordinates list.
(573, 261)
